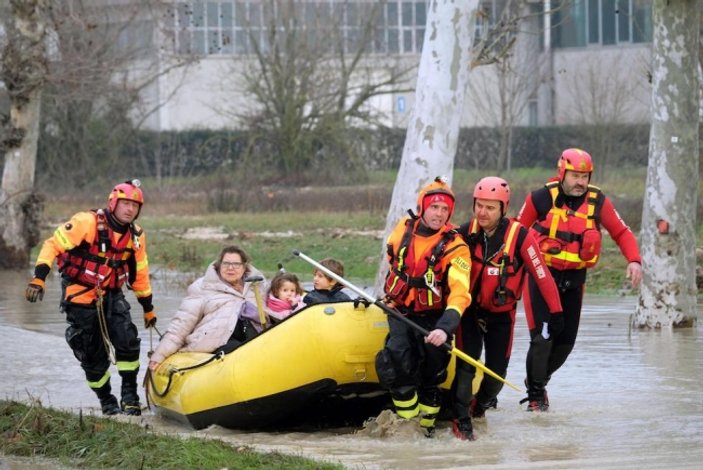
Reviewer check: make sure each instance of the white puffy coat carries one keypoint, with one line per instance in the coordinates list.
(207, 315)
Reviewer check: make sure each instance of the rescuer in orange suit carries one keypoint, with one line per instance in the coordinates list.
(97, 253)
(428, 282)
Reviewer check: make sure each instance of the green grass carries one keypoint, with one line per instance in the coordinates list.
(317, 234)
(169, 214)
(320, 236)
(93, 442)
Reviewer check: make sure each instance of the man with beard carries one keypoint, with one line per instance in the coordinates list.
(566, 217)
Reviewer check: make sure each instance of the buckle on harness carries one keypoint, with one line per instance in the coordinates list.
(430, 282)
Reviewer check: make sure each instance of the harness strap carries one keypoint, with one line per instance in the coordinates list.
(501, 292)
(591, 216)
(420, 281)
(110, 262)
(560, 234)
(405, 243)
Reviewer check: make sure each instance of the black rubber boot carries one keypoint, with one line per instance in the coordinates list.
(463, 429)
(130, 399)
(430, 405)
(108, 402)
(537, 399)
(476, 409)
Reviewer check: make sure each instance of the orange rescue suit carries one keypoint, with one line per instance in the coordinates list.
(444, 285)
(79, 239)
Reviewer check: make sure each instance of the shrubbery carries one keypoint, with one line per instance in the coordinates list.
(185, 154)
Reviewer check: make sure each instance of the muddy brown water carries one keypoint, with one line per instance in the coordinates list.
(625, 399)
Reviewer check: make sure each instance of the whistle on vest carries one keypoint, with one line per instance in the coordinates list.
(430, 282)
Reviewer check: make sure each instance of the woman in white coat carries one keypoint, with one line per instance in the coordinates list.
(215, 310)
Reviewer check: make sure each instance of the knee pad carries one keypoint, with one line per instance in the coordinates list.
(385, 369)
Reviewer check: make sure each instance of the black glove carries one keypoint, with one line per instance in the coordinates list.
(35, 290)
(556, 324)
(149, 314)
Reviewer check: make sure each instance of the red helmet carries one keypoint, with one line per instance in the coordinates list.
(439, 188)
(494, 189)
(129, 190)
(574, 160)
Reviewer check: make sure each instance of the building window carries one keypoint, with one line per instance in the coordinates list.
(225, 27)
(579, 23)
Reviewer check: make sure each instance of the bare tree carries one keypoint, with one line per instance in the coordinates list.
(105, 59)
(668, 237)
(24, 69)
(506, 73)
(431, 139)
(82, 64)
(311, 82)
(601, 95)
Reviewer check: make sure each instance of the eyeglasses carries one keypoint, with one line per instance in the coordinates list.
(232, 265)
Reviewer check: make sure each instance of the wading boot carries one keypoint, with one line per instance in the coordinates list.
(109, 406)
(430, 403)
(108, 402)
(463, 429)
(478, 409)
(130, 399)
(537, 399)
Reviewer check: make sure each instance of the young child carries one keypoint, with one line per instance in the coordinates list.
(284, 295)
(326, 289)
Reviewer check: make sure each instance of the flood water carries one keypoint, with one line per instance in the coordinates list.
(623, 400)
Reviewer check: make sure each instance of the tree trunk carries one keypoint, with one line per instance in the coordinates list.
(668, 237)
(24, 73)
(431, 139)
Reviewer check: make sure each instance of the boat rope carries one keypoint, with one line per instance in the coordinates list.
(151, 340)
(102, 321)
(149, 379)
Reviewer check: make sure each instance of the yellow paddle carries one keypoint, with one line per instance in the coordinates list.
(458, 353)
(255, 280)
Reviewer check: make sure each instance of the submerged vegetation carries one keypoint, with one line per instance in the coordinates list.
(79, 441)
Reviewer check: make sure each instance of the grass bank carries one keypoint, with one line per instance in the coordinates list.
(77, 441)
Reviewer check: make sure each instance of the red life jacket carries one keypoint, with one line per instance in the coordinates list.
(102, 263)
(423, 275)
(500, 277)
(570, 239)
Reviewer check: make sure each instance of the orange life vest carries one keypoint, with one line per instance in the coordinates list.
(423, 274)
(570, 239)
(500, 277)
(103, 263)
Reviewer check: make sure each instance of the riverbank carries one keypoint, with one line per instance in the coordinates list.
(87, 441)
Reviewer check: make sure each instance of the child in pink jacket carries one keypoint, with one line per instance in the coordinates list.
(284, 296)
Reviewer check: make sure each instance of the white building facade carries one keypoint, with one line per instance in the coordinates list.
(575, 62)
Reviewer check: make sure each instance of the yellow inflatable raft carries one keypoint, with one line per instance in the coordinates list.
(320, 360)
